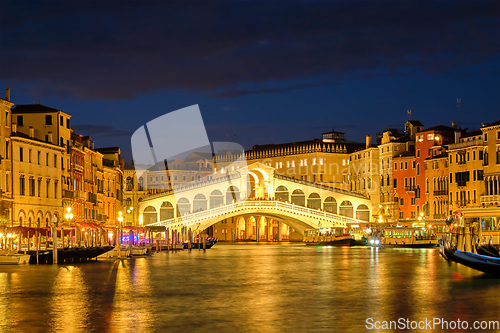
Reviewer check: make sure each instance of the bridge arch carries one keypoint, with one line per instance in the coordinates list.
(363, 213)
(167, 211)
(330, 205)
(298, 197)
(346, 208)
(150, 215)
(281, 193)
(314, 201)
(200, 203)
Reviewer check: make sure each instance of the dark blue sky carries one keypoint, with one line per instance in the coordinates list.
(261, 72)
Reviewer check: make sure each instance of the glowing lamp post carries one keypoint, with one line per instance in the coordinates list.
(119, 235)
(68, 216)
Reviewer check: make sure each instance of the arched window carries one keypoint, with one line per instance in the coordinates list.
(216, 199)
(330, 205)
(166, 211)
(363, 213)
(199, 203)
(281, 193)
(298, 198)
(314, 201)
(346, 208)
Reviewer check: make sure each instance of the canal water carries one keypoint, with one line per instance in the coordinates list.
(246, 288)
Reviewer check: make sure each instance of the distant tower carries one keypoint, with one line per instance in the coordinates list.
(408, 112)
(459, 100)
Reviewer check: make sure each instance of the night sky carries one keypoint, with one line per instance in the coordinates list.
(261, 72)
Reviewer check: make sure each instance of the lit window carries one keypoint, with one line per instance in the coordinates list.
(321, 161)
(314, 161)
(430, 136)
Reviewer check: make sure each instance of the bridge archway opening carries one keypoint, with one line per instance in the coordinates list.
(298, 198)
(281, 193)
(183, 206)
(346, 208)
(330, 205)
(314, 201)
(149, 215)
(232, 194)
(199, 203)
(216, 199)
(363, 213)
(167, 211)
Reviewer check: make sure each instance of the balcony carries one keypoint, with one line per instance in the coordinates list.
(466, 144)
(79, 195)
(67, 194)
(462, 183)
(488, 199)
(410, 188)
(440, 193)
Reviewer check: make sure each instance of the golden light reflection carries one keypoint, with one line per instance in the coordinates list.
(69, 303)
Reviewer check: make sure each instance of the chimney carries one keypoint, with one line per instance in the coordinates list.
(484, 124)
(7, 95)
(14, 127)
(92, 144)
(368, 141)
(453, 124)
(32, 132)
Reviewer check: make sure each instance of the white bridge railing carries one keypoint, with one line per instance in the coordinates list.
(271, 205)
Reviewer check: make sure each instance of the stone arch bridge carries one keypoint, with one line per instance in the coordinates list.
(255, 190)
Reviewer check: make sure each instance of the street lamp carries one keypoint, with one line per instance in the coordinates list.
(68, 216)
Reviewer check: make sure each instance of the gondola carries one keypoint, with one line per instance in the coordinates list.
(483, 263)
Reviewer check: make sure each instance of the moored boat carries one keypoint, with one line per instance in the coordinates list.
(328, 237)
(11, 257)
(404, 237)
(209, 242)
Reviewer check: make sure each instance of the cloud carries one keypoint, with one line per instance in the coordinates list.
(111, 50)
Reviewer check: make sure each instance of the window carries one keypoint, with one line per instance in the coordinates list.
(406, 165)
(55, 188)
(474, 155)
(38, 156)
(413, 201)
(61, 120)
(498, 135)
(47, 159)
(67, 123)
(20, 121)
(430, 136)
(6, 118)
(401, 166)
(32, 186)
(29, 155)
(401, 202)
(39, 187)
(55, 161)
(314, 161)
(21, 154)
(418, 169)
(321, 161)
(481, 155)
(413, 165)
(6, 150)
(395, 182)
(418, 152)
(48, 120)
(21, 185)
(395, 166)
(485, 136)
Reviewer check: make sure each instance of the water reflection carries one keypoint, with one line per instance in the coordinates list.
(245, 288)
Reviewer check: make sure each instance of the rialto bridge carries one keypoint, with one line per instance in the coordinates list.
(254, 193)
